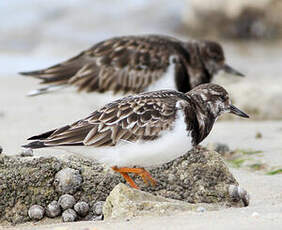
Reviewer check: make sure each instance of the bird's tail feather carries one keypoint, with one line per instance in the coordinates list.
(45, 90)
(35, 145)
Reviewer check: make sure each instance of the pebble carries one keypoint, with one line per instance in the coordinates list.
(1, 149)
(97, 208)
(221, 148)
(53, 209)
(69, 215)
(201, 209)
(36, 212)
(66, 201)
(255, 214)
(97, 218)
(258, 135)
(238, 193)
(28, 152)
(67, 180)
(82, 208)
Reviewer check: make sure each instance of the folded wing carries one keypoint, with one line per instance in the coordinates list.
(141, 117)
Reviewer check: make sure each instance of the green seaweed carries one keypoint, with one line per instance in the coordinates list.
(249, 151)
(257, 166)
(237, 163)
(273, 172)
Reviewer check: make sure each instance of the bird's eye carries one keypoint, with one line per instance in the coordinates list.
(216, 53)
(223, 98)
(215, 56)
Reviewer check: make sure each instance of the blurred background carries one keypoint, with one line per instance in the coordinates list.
(36, 34)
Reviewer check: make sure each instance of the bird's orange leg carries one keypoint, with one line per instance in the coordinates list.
(126, 177)
(139, 171)
(129, 180)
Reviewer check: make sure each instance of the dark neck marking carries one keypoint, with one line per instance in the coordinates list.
(199, 121)
(182, 78)
(206, 76)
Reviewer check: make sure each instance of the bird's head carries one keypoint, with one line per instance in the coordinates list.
(213, 100)
(212, 56)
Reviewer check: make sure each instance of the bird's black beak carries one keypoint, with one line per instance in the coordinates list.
(228, 69)
(237, 111)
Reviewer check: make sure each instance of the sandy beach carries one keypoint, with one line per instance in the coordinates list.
(22, 117)
(39, 35)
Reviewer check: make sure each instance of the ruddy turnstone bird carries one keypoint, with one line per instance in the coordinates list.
(143, 130)
(134, 64)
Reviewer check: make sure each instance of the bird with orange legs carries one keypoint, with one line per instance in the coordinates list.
(142, 130)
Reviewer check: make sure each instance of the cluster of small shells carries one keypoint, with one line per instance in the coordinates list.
(69, 209)
(68, 181)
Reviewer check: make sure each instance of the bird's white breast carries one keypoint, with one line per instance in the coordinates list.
(170, 145)
(167, 81)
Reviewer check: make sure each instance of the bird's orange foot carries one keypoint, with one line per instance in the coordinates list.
(139, 171)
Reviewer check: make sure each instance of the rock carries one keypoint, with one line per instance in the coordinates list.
(36, 212)
(97, 208)
(66, 201)
(82, 208)
(33, 183)
(239, 194)
(245, 93)
(243, 19)
(258, 135)
(221, 148)
(53, 209)
(201, 209)
(27, 152)
(125, 202)
(200, 176)
(69, 215)
(68, 180)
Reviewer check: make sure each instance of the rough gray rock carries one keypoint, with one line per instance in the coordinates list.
(53, 209)
(200, 176)
(33, 183)
(82, 208)
(125, 202)
(66, 201)
(36, 212)
(68, 180)
(69, 215)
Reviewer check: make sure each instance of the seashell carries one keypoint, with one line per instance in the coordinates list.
(66, 201)
(36, 212)
(53, 209)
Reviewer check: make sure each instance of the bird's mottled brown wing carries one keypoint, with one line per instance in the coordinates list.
(140, 117)
(126, 64)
